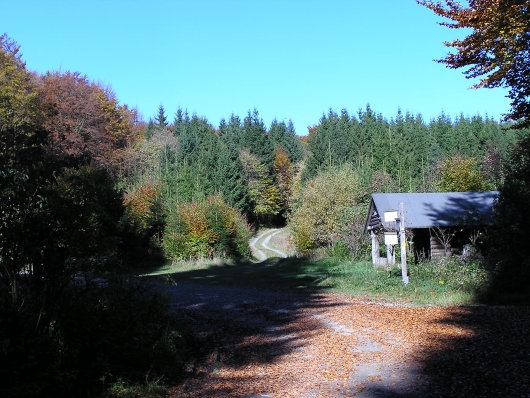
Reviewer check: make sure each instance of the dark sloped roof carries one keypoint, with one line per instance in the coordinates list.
(424, 210)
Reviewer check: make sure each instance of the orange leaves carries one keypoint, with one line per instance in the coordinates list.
(333, 346)
(203, 229)
(195, 217)
(497, 48)
(140, 202)
(86, 119)
(284, 175)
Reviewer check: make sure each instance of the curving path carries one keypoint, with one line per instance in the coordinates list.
(264, 240)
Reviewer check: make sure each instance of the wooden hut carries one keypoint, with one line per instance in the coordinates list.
(439, 223)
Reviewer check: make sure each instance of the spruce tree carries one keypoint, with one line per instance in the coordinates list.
(160, 118)
(255, 138)
(230, 178)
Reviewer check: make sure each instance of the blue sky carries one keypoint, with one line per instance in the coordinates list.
(289, 59)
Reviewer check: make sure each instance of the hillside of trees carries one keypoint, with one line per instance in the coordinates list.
(267, 173)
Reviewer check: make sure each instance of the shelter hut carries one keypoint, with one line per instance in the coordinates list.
(438, 224)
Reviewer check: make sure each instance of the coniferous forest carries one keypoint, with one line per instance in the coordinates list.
(91, 193)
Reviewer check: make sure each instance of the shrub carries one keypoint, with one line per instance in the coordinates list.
(143, 206)
(461, 174)
(206, 229)
(326, 207)
(455, 272)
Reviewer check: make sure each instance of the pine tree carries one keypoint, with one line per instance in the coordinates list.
(230, 179)
(232, 132)
(150, 129)
(255, 138)
(160, 118)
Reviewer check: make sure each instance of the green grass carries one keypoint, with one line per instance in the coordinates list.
(430, 284)
(125, 389)
(362, 280)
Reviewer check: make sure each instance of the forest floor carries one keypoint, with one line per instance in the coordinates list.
(262, 340)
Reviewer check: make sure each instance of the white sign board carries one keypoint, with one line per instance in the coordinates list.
(391, 238)
(390, 215)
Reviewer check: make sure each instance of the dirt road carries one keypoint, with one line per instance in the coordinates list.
(271, 344)
(263, 241)
(261, 343)
(267, 343)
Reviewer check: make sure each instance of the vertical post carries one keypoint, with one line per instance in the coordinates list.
(403, 241)
(375, 249)
(389, 254)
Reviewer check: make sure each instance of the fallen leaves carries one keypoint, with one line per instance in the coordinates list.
(338, 347)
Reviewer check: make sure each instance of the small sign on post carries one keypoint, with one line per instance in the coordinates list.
(391, 238)
(390, 215)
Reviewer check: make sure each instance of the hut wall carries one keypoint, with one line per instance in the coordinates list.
(437, 248)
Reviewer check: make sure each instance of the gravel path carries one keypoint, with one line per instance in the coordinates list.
(266, 242)
(263, 239)
(259, 254)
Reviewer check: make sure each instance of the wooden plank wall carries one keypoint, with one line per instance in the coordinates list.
(437, 249)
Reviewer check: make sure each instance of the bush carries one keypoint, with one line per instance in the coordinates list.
(329, 208)
(507, 243)
(454, 271)
(204, 230)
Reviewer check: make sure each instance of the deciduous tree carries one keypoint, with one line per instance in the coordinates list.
(86, 122)
(498, 48)
(324, 206)
(461, 174)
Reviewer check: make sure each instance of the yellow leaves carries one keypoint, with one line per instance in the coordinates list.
(461, 174)
(198, 229)
(320, 210)
(141, 201)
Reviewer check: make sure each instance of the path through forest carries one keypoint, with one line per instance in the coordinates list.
(263, 240)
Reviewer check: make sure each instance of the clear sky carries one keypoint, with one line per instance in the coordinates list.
(289, 59)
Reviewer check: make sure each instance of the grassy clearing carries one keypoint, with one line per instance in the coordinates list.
(125, 389)
(430, 284)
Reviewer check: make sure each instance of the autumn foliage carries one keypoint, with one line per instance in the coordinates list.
(144, 207)
(85, 120)
(324, 206)
(461, 174)
(496, 50)
(204, 230)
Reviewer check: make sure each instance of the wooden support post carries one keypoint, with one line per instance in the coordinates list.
(390, 254)
(377, 260)
(375, 248)
(403, 242)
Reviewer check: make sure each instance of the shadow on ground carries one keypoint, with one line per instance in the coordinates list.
(242, 315)
(479, 352)
(250, 314)
(493, 361)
